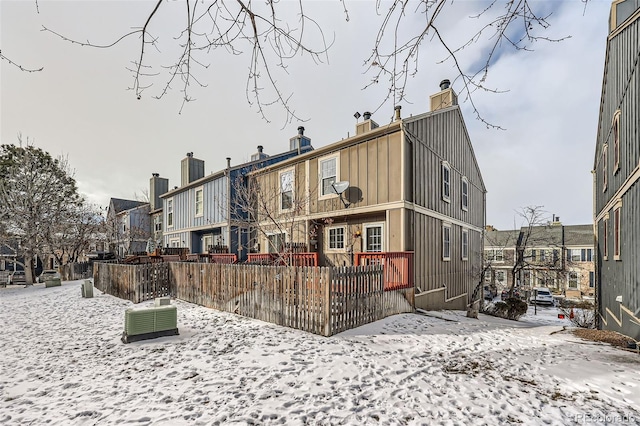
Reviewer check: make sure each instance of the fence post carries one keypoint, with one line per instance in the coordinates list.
(327, 277)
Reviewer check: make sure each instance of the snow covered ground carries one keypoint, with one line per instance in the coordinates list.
(62, 362)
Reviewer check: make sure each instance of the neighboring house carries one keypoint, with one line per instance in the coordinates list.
(559, 257)
(127, 226)
(616, 175)
(499, 257)
(412, 185)
(204, 215)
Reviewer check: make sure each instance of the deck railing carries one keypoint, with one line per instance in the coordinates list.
(398, 267)
(281, 259)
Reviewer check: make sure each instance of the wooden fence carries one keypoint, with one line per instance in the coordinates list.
(398, 267)
(76, 271)
(324, 301)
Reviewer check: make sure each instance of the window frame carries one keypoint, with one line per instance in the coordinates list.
(576, 280)
(464, 249)
(446, 242)
(199, 204)
(344, 236)
(616, 232)
(169, 213)
(365, 229)
(464, 185)
(282, 192)
(615, 130)
(332, 193)
(604, 167)
(445, 186)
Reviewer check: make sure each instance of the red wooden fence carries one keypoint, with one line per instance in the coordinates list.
(398, 267)
(281, 259)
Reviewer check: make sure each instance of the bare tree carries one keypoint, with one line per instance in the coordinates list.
(275, 32)
(274, 205)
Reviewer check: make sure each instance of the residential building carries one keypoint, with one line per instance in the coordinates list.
(616, 175)
(157, 187)
(559, 257)
(206, 214)
(411, 185)
(127, 226)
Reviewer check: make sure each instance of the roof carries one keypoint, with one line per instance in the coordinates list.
(541, 236)
(120, 205)
(501, 238)
(578, 235)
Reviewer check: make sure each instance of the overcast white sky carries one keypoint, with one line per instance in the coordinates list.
(79, 104)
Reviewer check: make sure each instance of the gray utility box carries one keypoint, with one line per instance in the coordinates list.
(87, 289)
(149, 323)
(52, 282)
(162, 301)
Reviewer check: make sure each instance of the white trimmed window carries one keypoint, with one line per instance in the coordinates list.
(446, 182)
(604, 168)
(616, 141)
(336, 238)
(275, 242)
(465, 194)
(174, 242)
(199, 201)
(374, 237)
(465, 244)
(616, 234)
(170, 213)
(328, 175)
(446, 242)
(495, 255)
(286, 190)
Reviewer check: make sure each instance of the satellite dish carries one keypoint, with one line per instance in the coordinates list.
(341, 186)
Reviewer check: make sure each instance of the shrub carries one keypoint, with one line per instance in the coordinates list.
(512, 308)
(582, 317)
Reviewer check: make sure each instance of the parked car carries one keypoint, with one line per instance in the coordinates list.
(541, 296)
(48, 274)
(489, 293)
(18, 277)
(505, 294)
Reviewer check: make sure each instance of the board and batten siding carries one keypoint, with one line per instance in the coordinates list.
(620, 92)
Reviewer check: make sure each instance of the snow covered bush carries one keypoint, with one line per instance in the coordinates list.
(512, 308)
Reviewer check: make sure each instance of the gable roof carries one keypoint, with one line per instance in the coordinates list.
(578, 235)
(502, 239)
(119, 205)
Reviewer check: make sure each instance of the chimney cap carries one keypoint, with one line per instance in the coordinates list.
(444, 84)
(155, 174)
(189, 154)
(301, 130)
(366, 115)
(260, 148)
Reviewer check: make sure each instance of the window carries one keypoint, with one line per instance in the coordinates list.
(157, 223)
(616, 141)
(604, 168)
(465, 244)
(336, 239)
(500, 276)
(169, 213)
(174, 242)
(573, 280)
(592, 279)
(543, 255)
(616, 234)
(446, 181)
(373, 237)
(446, 242)
(286, 190)
(533, 255)
(495, 255)
(207, 243)
(574, 255)
(328, 175)
(465, 194)
(605, 231)
(276, 242)
(199, 202)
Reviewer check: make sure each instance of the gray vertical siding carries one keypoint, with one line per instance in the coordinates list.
(621, 91)
(430, 140)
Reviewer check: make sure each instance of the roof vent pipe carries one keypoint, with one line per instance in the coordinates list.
(228, 162)
(301, 130)
(397, 109)
(366, 115)
(444, 84)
